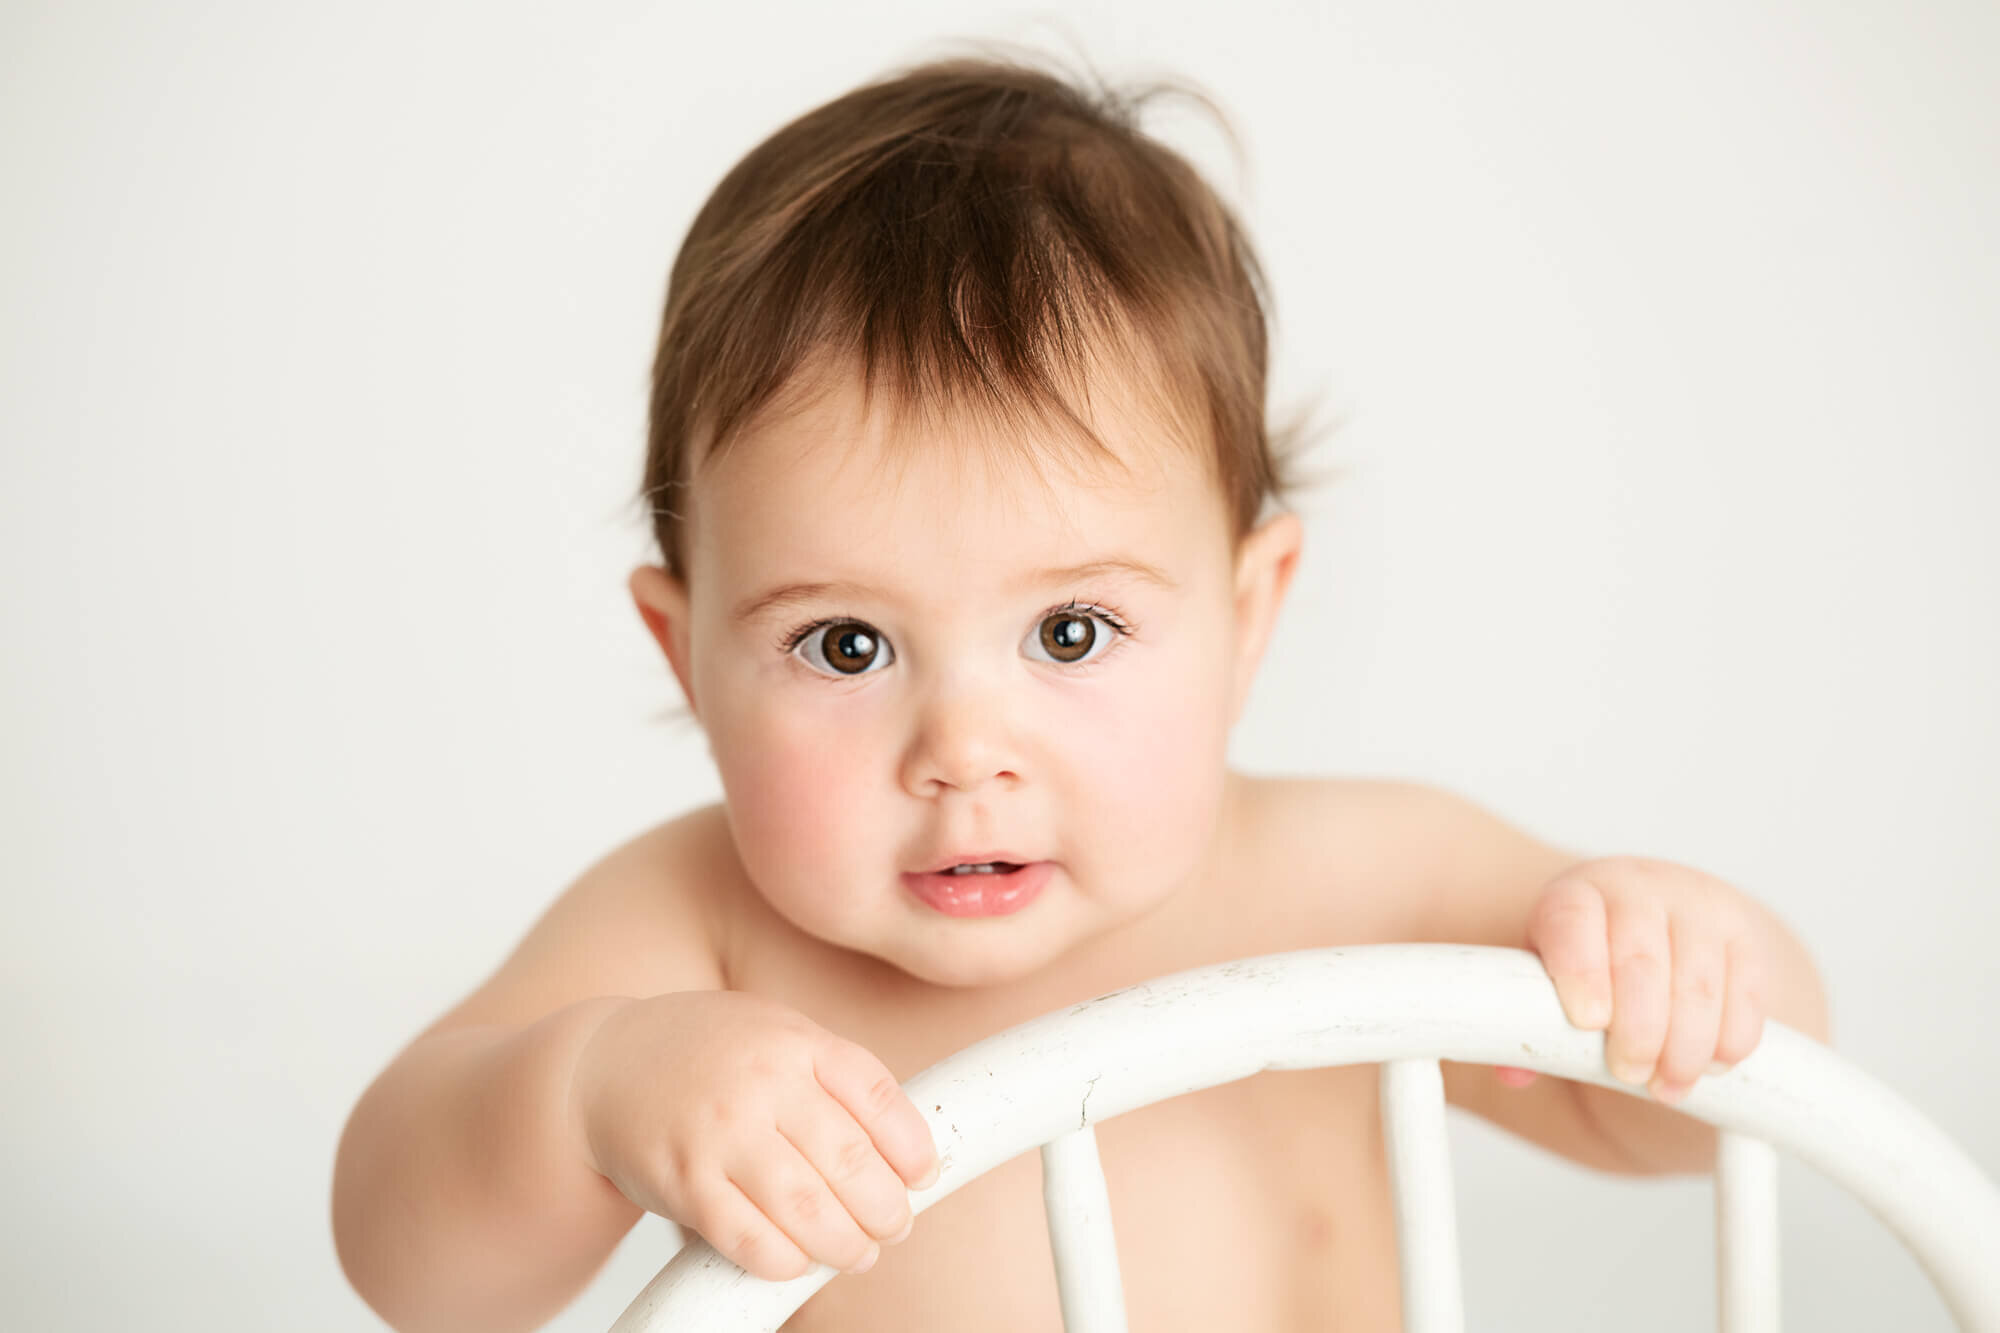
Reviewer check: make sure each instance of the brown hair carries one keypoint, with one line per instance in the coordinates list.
(974, 230)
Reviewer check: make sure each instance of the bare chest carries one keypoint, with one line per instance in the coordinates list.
(1258, 1205)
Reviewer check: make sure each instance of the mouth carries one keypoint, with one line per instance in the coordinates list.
(980, 888)
(978, 863)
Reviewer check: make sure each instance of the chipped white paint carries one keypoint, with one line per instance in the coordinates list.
(1746, 1235)
(1426, 1210)
(1318, 1007)
(1080, 1237)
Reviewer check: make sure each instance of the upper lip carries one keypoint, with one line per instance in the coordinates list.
(974, 859)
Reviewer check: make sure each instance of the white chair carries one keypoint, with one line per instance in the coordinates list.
(1407, 1006)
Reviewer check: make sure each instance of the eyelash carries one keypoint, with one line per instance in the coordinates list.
(789, 641)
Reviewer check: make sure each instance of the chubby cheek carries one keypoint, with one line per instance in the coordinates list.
(1147, 782)
(800, 806)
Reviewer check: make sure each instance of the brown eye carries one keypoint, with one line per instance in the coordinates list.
(1069, 638)
(849, 648)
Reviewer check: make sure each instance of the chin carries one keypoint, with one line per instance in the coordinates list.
(968, 968)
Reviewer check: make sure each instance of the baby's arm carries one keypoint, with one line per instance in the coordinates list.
(605, 1071)
(461, 1195)
(459, 1199)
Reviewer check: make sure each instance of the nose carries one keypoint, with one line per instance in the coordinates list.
(962, 742)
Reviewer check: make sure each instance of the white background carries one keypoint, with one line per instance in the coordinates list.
(1666, 336)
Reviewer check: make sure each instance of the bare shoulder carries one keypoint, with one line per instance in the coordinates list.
(644, 919)
(1365, 830)
(1351, 810)
(1396, 858)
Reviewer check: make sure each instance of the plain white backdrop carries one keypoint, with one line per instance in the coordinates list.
(1665, 335)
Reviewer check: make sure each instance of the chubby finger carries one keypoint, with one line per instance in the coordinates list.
(1641, 973)
(862, 1084)
(847, 1159)
(1700, 973)
(742, 1234)
(785, 1187)
(1743, 1005)
(1569, 934)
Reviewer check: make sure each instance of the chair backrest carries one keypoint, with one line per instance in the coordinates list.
(1405, 1006)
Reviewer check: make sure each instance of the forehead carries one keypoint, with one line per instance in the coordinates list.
(836, 479)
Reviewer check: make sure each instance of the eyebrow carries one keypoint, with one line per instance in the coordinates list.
(792, 594)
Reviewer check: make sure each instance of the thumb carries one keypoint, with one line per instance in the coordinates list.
(1515, 1078)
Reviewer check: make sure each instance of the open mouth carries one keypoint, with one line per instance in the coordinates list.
(990, 888)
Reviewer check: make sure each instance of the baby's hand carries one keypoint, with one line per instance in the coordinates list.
(1663, 955)
(740, 1117)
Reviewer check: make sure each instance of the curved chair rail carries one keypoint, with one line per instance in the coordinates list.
(1044, 1082)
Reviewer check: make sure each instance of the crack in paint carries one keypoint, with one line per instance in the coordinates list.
(1083, 1113)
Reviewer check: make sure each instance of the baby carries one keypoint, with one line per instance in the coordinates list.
(972, 547)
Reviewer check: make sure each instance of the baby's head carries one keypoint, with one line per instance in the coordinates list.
(959, 467)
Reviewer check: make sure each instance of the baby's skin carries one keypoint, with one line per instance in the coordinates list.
(901, 662)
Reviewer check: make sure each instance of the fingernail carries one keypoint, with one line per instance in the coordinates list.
(868, 1260)
(904, 1234)
(1717, 1067)
(929, 1178)
(1593, 1011)
(1626, 1072)
(1669, 1093)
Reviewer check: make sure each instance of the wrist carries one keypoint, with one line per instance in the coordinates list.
(561, 1040)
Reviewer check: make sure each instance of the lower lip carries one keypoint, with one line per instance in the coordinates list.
(981, 895)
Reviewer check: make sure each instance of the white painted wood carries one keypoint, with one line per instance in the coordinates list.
(1746, 1235)
(1313, 1008)
(1080, 1239)
(1426, 1206)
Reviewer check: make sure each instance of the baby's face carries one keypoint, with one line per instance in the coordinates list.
(903, 661)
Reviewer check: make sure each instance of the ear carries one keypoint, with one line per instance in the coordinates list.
(1265, 563)
(662, 600)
